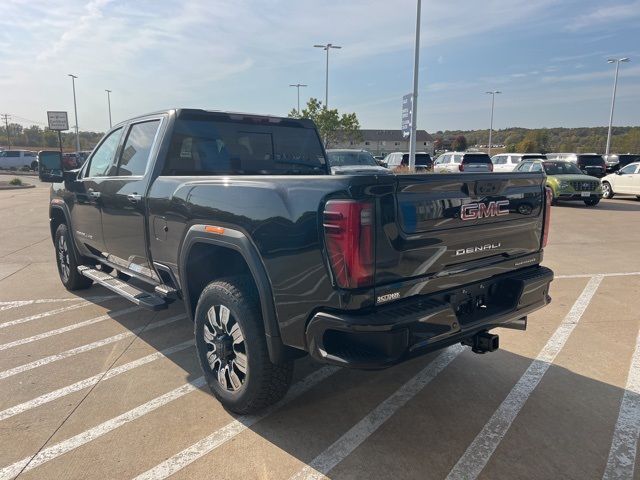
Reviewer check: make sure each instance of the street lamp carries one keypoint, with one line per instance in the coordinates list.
(617, 61)
(109, 104)
(493, 94)
(326, 48)
(414, 97)
(298, 85)
(75, 108)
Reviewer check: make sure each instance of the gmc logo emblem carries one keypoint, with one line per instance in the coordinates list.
(474, 211)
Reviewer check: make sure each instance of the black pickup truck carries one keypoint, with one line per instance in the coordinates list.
(239, 217)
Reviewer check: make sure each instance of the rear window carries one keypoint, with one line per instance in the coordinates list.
(207, 145)
(529, 157)
(591, 160)
(499, 160)
(422, 159)
(476, 158)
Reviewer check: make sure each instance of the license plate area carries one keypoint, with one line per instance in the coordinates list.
(586, 194)
(476, 302)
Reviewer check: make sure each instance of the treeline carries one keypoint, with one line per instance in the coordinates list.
(543, 140)
(37, 138)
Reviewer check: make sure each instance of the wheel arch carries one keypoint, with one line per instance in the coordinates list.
(58, 215)
(197, 269)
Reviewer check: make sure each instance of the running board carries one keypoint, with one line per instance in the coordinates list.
(124, 289)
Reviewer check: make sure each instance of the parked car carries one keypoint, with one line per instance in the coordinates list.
(625, 181)
(18, 159)
(469, 162)
(566, 180)
(348, 162)
(616, 161)
(590, 163)
(238, 216)
(396, 160)
(506, 162)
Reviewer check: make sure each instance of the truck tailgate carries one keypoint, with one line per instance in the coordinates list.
(447, 225)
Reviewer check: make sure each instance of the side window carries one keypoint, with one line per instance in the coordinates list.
(628, 169)
(536, 167)
(102, 158)
(523, 167)
(137, 147)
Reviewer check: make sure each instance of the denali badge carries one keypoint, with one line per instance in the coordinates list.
(388, 297)
(473, 211)
(481, 248)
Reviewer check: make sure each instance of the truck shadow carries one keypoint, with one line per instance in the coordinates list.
(621, 205)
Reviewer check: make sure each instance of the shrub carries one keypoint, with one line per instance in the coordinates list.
(16, 182)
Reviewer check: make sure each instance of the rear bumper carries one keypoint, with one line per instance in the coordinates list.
(390, 334)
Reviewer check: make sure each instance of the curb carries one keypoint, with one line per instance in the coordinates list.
(16, 187)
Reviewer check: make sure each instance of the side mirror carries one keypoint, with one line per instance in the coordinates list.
(618, 172)
(50, 167)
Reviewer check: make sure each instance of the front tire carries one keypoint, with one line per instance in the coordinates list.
(592, 202)
(232, 348)
(607, 191)
(66, 259)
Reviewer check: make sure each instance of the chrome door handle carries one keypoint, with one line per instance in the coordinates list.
(134, 197)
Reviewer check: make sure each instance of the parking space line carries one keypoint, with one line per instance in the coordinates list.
(221, 436)
(44, 314)
(50, 453)
(88, 382)
(347, 443)
(622, 455)
(85, 348)
(591, 275)
(6, 305)
(68, 328)
(477, 455)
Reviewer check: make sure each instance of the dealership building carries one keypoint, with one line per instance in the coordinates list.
(382, 142)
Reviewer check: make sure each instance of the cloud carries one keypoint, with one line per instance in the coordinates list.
(608, 14)
(633, 71)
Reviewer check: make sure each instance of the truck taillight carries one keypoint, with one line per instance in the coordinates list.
(461, 167)
(547, 216)
(490, 167)
(348, 230)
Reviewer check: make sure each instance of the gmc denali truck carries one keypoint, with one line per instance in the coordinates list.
(239, 217)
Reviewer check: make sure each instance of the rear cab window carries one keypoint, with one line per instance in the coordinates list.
(477, 158)
(205, 143)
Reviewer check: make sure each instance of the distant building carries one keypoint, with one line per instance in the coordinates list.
(381, 142)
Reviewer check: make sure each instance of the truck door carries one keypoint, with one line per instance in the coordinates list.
(123, 200)
(85, 210)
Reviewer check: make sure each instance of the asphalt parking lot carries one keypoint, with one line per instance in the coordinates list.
(92, 387)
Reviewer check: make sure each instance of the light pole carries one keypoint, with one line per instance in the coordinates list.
(617, 61)
(75, 108)
(414, 100)
(109, 104)
(326, 48)
(298, 85)
(493, 94)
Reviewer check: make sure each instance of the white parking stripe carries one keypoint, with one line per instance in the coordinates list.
(477, 455)
(44, 314)
(229, 431)
(6, 305)
(347, 443)
(622, 456)
(590, 275)
(87, 382)
(68, 328)
(86, 348)
(47, 454)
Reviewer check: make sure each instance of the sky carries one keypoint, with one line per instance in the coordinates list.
(548, 57)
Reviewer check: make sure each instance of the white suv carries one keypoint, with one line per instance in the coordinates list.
(506, 162)
(625, 181)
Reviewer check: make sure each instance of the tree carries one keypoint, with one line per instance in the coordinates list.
(527, 146)
(333, 126)
(459, 143)
(438, 143)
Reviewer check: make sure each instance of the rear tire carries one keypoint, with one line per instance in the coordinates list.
(607, 191)
(592, 202)
(232, 348)
(66, 260)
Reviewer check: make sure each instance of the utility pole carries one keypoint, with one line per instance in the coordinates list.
(617, 61)
(414, 100)
(6, 125)
(109, 104)
(75, 108)
(326, 48)
(298, 85)
(493, 94)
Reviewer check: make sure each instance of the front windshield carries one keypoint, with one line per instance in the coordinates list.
(342, 159)
(561, 168)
